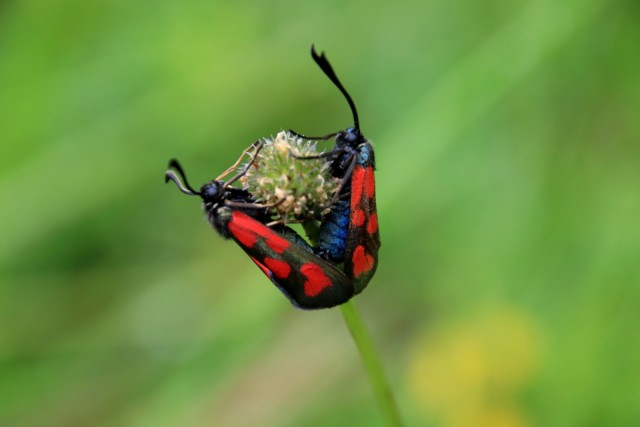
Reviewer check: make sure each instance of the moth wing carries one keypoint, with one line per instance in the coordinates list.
(363, 238)
(308, 281)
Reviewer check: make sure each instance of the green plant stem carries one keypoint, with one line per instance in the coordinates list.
(364, 343)
(372, 363)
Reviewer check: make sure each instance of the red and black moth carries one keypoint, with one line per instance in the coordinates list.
(349, 233)
(307, 280)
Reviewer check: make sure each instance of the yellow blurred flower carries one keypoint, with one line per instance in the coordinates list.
(470, 374)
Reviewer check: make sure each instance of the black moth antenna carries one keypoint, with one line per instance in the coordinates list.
(170, 175)
(325, 66)
(183, 184)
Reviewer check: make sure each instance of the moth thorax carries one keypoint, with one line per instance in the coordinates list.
(365, 153)
(218, 217)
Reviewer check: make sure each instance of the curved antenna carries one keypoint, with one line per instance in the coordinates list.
(325, 66)
(170, 175)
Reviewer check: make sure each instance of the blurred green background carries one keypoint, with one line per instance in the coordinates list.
(508, 178)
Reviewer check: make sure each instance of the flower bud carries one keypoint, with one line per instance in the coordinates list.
(299, 188)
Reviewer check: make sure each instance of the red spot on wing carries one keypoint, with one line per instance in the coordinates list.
(362, 261)
(372, 225)
(316, 281)
(247, 230)
(357, 217)
(357, 184)
(264, 269)
(244, 234)
(369, 182)
(276, 243)
(279, 268)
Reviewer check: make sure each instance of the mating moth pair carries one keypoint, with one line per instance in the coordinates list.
(344, 256)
